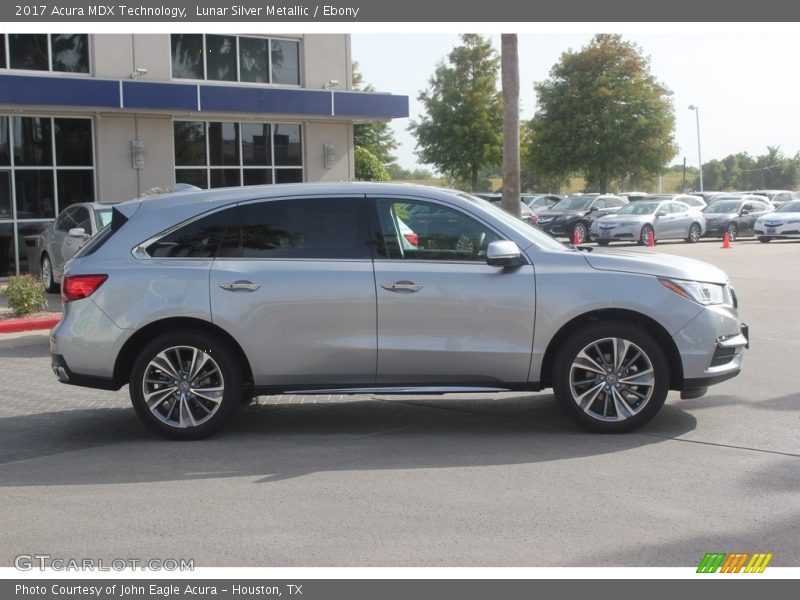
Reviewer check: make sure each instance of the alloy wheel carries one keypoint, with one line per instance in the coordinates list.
(612, 379)
(183, 386)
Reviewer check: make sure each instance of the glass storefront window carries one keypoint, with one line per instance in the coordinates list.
(28, 51)
(237, 153)
(70, 52)
(46, 164)
(221, 57)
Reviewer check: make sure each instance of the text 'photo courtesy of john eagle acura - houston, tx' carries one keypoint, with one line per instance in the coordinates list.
(202, 300)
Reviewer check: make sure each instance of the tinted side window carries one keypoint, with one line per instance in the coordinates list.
(310, 228)
(413, 230)
(82, 219)
(66, 221)
(198, 239)
(599, 204)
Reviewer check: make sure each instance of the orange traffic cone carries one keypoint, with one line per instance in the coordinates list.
(651, 240)
(575, 239)
(726, 241)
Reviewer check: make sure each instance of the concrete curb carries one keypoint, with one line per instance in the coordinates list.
(16, 325)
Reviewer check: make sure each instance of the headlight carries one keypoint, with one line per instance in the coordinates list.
(699, 291)
(792, 221)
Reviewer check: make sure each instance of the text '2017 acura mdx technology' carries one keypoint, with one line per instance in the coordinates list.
(200, 300)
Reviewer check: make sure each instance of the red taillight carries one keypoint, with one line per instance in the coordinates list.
(412, 238)
(75, 287)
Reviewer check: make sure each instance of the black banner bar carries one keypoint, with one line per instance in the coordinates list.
(366, 11)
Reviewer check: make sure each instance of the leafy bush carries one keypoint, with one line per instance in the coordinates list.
(369, 167)
(25, 295)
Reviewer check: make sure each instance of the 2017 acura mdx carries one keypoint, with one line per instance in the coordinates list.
(200, 300)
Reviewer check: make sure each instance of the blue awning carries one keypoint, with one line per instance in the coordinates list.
(92, 93)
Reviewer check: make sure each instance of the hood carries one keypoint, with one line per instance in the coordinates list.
(781, 217)
(615, 219)
(549, 214)
(660, 265)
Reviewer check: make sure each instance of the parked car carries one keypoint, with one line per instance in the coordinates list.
(525, 212)
(201, 300)
(574, 215)
(708, 196)
(782, 224)
(694, 201)
(633, 196)
(735, 214)
(777, 197)
(66, 235)
(540, 202)
(635, 222)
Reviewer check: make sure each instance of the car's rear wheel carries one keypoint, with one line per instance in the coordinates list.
(694, 233)
(50, 285)
(186, 384)
(764, 239)
(611, 377)
(733, 231)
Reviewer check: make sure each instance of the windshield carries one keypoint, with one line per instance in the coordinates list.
(793, 206)
(102, 217)
(573, 203)
(726, 206)
(638, 208)
(518, 225)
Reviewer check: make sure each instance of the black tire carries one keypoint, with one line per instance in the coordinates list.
(644, 235)
(733, 231)
(581, 230)
(764, 239)
(603, 242)
(694, 233)
(180, 346)
(643, 410)
(50, 286)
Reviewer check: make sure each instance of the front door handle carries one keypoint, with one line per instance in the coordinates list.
(402, 286)
(240, 286)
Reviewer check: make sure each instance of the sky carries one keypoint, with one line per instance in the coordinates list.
(746, 84)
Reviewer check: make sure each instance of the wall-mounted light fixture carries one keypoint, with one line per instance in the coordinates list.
(137, 154)
(328, 155)
(138, 72)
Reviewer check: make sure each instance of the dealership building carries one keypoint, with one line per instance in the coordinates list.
(107, 117)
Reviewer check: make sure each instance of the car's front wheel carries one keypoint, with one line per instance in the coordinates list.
(733, 231)
(579, 233)
(186, 384)
(611, 377)
(764, 239)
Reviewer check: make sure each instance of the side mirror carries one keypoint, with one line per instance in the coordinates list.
(593, 209)
(745, 211)
(503, 253)
(661, 213)
(77, 232)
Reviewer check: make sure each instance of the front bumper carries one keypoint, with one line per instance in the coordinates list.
(557, 229)
(712, 347)
(785, 231)
(617, 233)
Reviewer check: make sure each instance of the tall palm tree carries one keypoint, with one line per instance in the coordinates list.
(510, 77)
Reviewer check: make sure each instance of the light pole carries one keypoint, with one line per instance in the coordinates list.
(696, 110)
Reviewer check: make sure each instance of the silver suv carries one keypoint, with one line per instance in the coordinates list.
(202, 300)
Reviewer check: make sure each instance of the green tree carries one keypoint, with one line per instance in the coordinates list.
(602, 113)
(369, 167)
(375, 136)
(460, 131)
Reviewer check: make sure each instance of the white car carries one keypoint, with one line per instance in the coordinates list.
(784, 223)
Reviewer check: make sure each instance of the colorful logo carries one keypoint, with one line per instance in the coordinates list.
(737, 562)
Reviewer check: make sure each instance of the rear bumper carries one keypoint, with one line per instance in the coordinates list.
(65, 375)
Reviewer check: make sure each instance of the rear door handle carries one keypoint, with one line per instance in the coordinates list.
(402, 286)
(240, 286)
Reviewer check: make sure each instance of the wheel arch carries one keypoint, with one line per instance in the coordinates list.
(134, 345)
(648, 324)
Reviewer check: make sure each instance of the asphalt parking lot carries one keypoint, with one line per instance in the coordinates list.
(484, 480)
